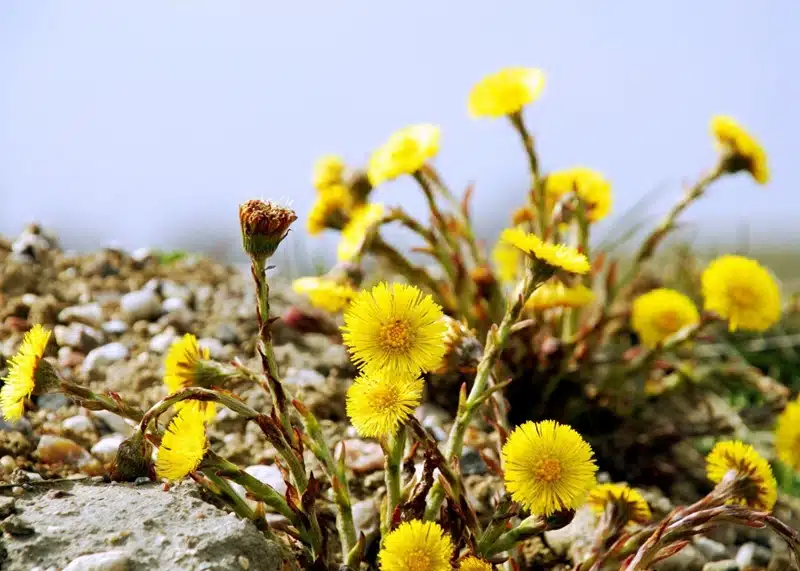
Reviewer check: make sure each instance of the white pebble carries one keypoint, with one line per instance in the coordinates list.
(78, 423)
(106, 561)
(104, 355)
(106, 447)
(161, 342)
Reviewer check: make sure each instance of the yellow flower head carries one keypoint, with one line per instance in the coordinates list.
(743, 292)
(378, 404)
(787, 435)
(505, 92)
(588, 184)
(406, 151)
(660, 313)
(743, 151)
(183, 446)
(363, 222)
(328, 170)
(324, 293)
(756, 486)
(416, 546)
(330, 210)
(554, 256)
(556, 294)
(394, 329)
(184, 367)
(27, 372)
(507, 260)
(472, 563)
(548, 467)
(630, 503)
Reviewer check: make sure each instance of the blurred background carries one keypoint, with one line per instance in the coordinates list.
(146, 123)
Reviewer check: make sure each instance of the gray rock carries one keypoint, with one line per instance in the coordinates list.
(57, 450)
(52, 401)
(23, 425)
(365, 516)
(472, 463)
(726, 565)
(115, 327)
(78, 336)
(106, 447)
(170, 289)
(687, 559)
(711, 550)
(88, 313)
(6, 507)
(268, 475)
(160, 530)
(106, 561)
(103, 356)
(142, 304)
(304, 378)
(173, 304)
(78, 423)
(114, 422)
(162, 341)
(227, 334)
(753, 554)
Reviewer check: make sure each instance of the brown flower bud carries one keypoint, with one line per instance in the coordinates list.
(264, 226)
(133, 459)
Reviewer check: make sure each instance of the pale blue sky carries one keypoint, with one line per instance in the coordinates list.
(142, 121)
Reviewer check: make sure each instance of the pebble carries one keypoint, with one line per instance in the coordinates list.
(472, 464)
(170, 289)
(113, 421)
(88, 313)
(78, 423)
(162, 341)
(143, 304)
(712, 550)
(57, 449)
(107, 561)
(17, 490)
(23, 425)
(304, 378)
(270, 475)
(215, 348)
(106, 447)
(365, 516)
(115, 327)
(685, 559)
(52, 401)
(173, 304)
(8, 464)
(753, 554)
(6, 506)
(78, 336)
(726, 565)
(103, 356)
(363, 456)
(16, 526)
(140, 255)
(227, 334)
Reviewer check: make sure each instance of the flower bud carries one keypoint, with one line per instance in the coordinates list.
(264, 225)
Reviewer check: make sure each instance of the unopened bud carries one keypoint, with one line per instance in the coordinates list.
(133, 459)
(264, 225)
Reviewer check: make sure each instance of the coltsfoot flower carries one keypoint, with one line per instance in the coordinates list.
(183, 446)
(363, 222)
(660, 313)
(394, 329)
(554, 257)
(556, 294)
(406, 151)
(325, 293)
(264, 226)
(742, 291)
(507, 261)
(473, 563)
(331, 209)
(505, 92)
(378, 404)
(787, 435)
(588, 184)
(628, 503)
(742, 151)
(28, 373)
(548, 467)
(748, 474)
(416, 546)
(328, 170)
(187, 365)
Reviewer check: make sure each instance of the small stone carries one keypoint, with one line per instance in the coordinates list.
(115, 327)
(78, 423)
(141, 255)
(686, 559)
(215, 348)
(304, 378)
(244, 562)
(88, 313)
(363, 456)
(138, 305)
(103, 356)
(107, 561)
(270, 475)
(23, 425)
(471, 463)
(78, 336)
(60, 450)
(726, 565)
(17, 490)
(106, 447)
(365, 516)
(161, 342)
(16, 526)
(712, 550)
(52, 401)
(8, 464)
(114, 422)
(173, 304)
(172, 290)
(6, 507)
(226, 333)
(753, 554)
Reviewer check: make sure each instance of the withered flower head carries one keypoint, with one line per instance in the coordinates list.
(462, 349)
(133, 459)
(264, 226)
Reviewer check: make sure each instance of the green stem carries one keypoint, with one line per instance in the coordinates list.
(537, 194)
(531, 526)
(200, 394)
(394, 457)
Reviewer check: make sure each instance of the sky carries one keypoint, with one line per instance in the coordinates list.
(146, 123)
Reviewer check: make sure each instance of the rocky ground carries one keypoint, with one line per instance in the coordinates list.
(114, 314)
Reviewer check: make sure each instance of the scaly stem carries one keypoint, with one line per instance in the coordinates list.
(394, 457)
(537, 194)
(531, 526)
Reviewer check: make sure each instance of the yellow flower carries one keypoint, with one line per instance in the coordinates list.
(554, 256)
(743, 151)
(743, 292)
(184, 367)
(588, 184)
(630, 502)
(508, 261)
(363, 222)
(787, 435)
(406, 151)
(27, 372)
(472, 563)
(556, 294)
(394, 329)
(324, 293)
(505, 92)
(183, 446)
(328, 170)
(548, 467)
(756, 486)
(416, 546)
(378, 404)
(330, 210)
(660, 313)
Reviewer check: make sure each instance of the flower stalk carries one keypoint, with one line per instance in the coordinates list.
(394, 447)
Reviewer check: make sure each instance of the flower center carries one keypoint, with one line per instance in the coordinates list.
(548, 469)
(418, 561)
(385, 399)
(742, 296)
(668, 321)
(395, 336)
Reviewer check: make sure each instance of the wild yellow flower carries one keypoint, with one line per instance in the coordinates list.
(743, 292)
(743, 151)
(328, 170)
(630, 503)
(505, 92)
(507, 261)
(660, 313)
(28, 372)
(548, 467)
(553, 256)
(330, 210)
(324, 293)
(556, 294)
(755, 486)
(472, 563)
(588, 184)
(363, 222)
(378, 404)
(183, 445)
(416, 546)
(406, 151)
(185, 367)
(787, 435)
(394, 329)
